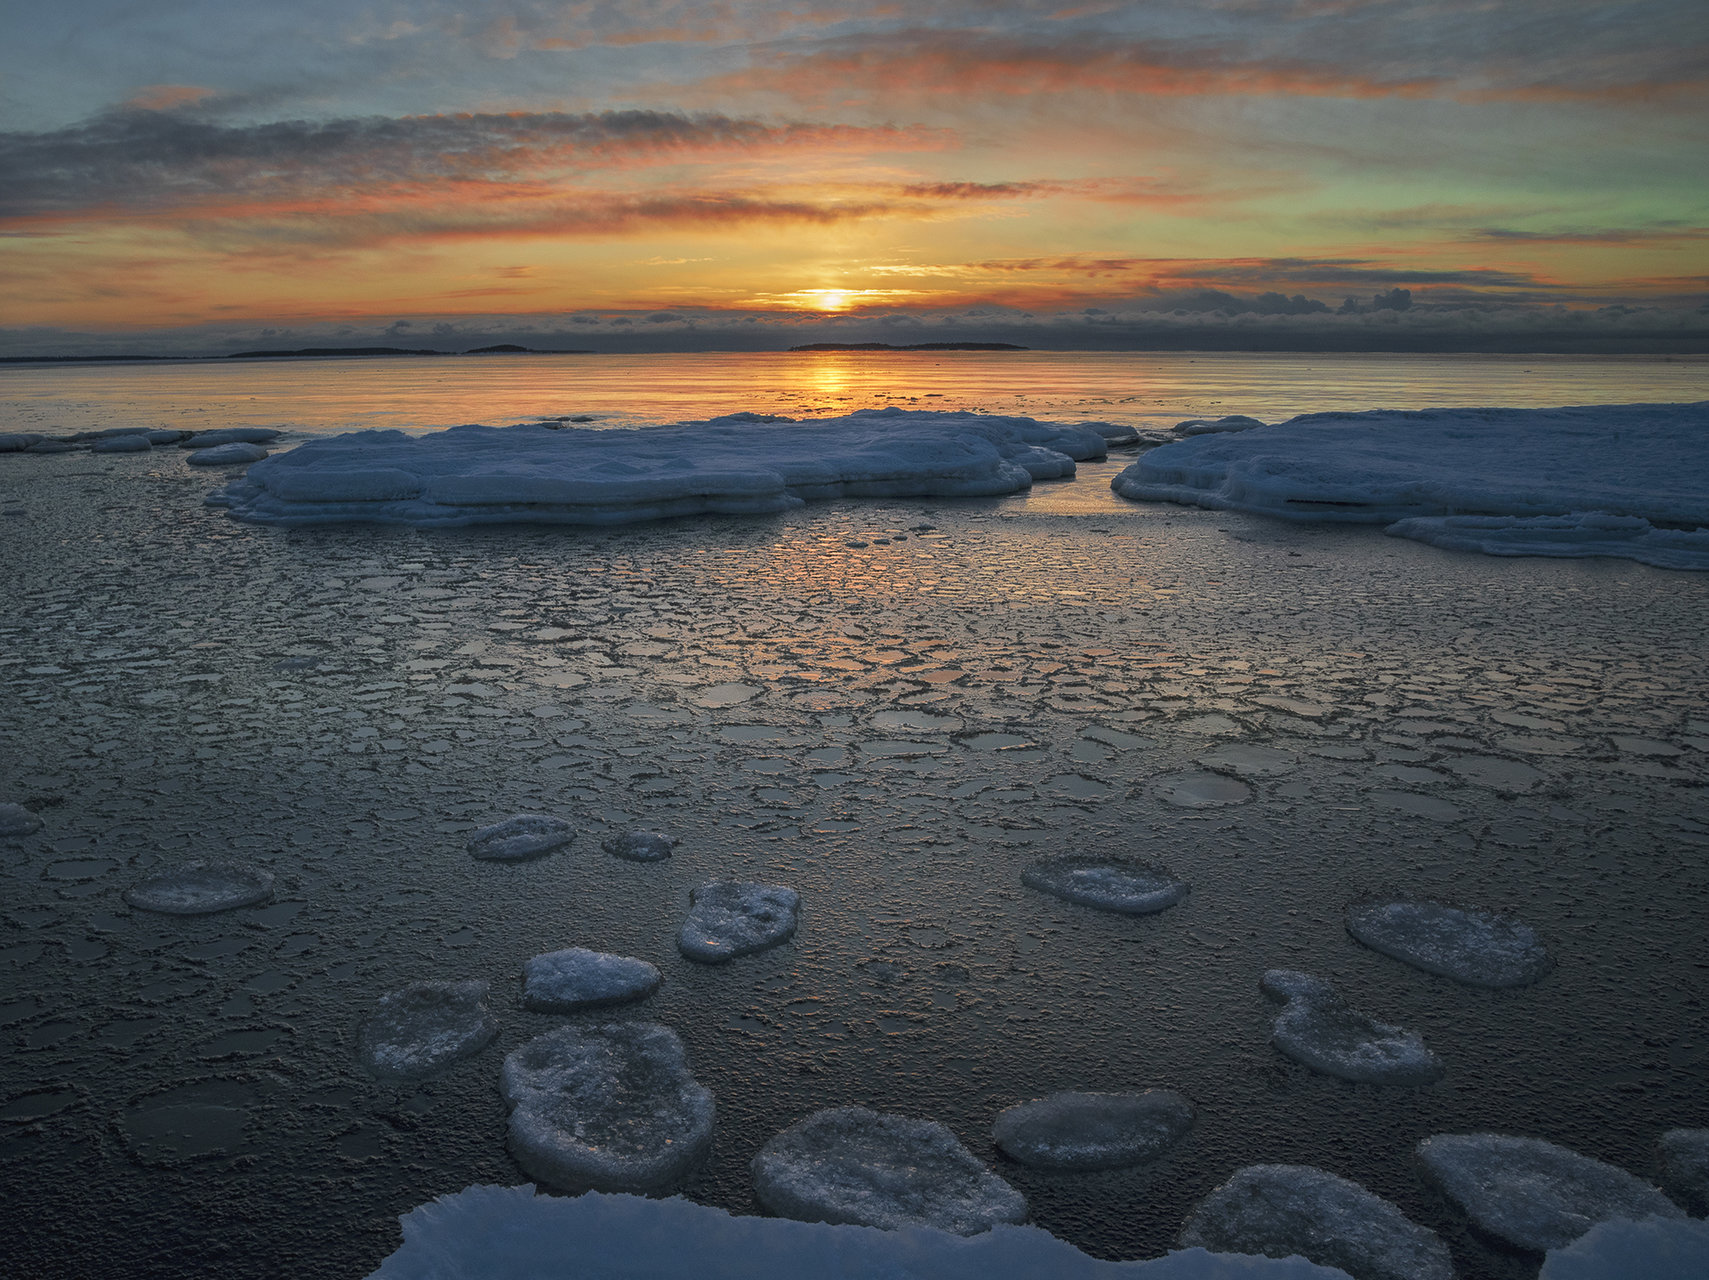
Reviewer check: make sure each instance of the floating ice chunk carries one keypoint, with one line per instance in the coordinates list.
(1250, 760)
(1593, 480)
(229, 435)
(564, 981)
(222, 455)
(1109, 884)
(1533, 1194)
(1202, 790)
(18, 441)
(126, 442)
(1093, 1130)
(514, 1233)
(1656, 1249)
(639, 846)
(850, 1164)
(1685, 1167)
(1282, 1209)
(200, 888)
(1316, 1027)
(524, 836)
(1216, 426)
(1115, 434)
(732, 465)
(1578, 533)
(418, 1030)
(729, 919)
(1476, 947)
(15, 820)
(612, 1107)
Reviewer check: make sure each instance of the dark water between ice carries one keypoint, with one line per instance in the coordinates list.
(894, 730)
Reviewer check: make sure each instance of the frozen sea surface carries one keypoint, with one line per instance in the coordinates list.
(896, 730)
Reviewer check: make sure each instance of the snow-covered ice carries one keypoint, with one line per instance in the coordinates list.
(1317, 1028)
(1216, 426)
(1655, 1249)
(201, 888)
(18, 441)
(1481, 948)
(15, 820)
(1685, 1167)
(524, 836)
(1622, 480)
(128, 442)
(611, 1107)
(229, 435)
(855, 1165)
(1534, 1194)
(223, 455)
(1282, 1209)
(1093, 1130)
(1107, 883)
(575, 978)
(639, 846)
(419, 1029)
(514, 1233)
(732, 918)
(739, 464)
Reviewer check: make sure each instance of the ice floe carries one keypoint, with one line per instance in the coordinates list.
(1315, 1027)
(229, 435)
(128, 442)
(733, 465)
(223, 455)
(1476, 947)
(201, 888)
(1093, 1130)
(1195, 790)
(613, 1107)
(1685, 1167)
(1621, 480)
(515, 1233)
(1216, 426)
(855, 1165)
(731, 918)
(1109, 884)
(1655, 1249)
(639, 846)
(424, 1027)
(565, 981)
(1282, 1209)
(1533, 1194)
(524, 836)
(15, 820)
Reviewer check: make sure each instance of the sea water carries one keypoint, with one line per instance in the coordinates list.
(892, 708)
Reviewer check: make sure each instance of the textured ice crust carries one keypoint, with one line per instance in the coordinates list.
(729, 918)
(735, 465)
(564, 981)
(1282, 1209)
(15, 820)
(1480, 948)
(1093, 1130)
(1109, 884)
(511, 1233)
(639, 846)
(201, 888)
(1620, 480)
(224, 455)
(1533, 1194)
(424, 1027)
(613, 1107)
(854, 1165)
(524, 836)
(1315, 1027)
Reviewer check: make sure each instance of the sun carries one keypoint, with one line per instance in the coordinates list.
(829, 299)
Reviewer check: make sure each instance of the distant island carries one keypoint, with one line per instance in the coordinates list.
(503, 348)
(914, 346)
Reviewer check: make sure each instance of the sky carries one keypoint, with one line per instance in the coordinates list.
(198, 176)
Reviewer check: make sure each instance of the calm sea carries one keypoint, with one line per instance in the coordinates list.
(322, 396)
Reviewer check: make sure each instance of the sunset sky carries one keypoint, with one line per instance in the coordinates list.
(186, 175)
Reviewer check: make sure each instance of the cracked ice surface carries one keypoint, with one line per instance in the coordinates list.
(901, 729)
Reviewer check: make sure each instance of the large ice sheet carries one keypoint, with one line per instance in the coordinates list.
(510, 1233)
(740, 464)
(1621, 480)
(1656, 1249)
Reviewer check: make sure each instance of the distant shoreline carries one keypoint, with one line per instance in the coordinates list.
(914, 346)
